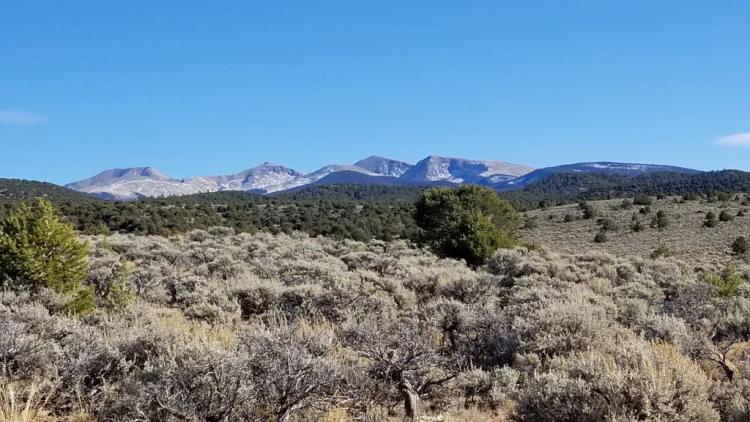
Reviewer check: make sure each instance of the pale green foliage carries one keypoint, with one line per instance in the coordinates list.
(727, 282)
(37, 250)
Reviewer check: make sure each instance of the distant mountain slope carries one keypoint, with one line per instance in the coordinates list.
(138, 182)
(147, 182)
(12, 190)
(565, 188)
(143, 182)
(602, 167)
(359, 178)
(384, 166)
(345, 169)
(110, 176)
(459, 170)
(256, 178)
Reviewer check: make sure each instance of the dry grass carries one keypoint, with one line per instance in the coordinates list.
(473, 414)
(686, 237)
(19, 403)
(337, 414)
(192, 331)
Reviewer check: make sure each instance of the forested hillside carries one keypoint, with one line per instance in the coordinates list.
(355, 192)
(566, 188)
(360, 212)
(12, 190)
(361, 220)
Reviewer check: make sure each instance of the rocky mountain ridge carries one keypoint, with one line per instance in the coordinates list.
(139, 182)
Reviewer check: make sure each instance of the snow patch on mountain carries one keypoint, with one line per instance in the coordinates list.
(139, 182)
(256, 178)
(135, 183)
(384, 166)
(317, 175)
(459, 170)
(604, 167)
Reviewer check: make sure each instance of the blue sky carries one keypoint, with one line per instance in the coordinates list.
(200, 88)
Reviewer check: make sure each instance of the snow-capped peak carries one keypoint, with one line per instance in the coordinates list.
(459, 170)
(384, 166)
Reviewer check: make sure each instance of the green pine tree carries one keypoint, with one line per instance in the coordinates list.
(38, 250)
(469, 223)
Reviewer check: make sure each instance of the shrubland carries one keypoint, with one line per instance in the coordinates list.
(225, 325)
(689, 227)
(218, 325)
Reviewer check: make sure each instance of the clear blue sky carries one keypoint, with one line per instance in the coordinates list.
(199, 88)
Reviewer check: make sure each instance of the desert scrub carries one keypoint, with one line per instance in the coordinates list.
(685, 234)
(224, 326)
(637, 381)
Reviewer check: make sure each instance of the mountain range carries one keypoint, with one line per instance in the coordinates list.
(140, 182)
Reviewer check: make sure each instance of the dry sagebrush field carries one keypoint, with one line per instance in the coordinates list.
(231, 327)
(685, 236)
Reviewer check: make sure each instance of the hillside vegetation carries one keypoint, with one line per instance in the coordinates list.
(360, 212)
(566, 188)
(337, 216)
(13, 190)
(634, 230)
